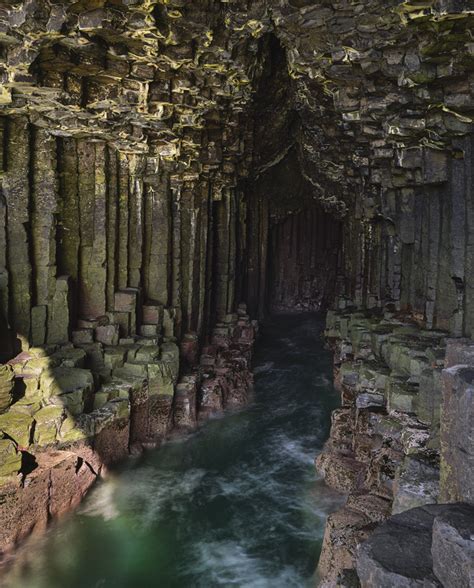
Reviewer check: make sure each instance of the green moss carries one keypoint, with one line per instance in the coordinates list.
(17, 426)
(10, 460)
(48, 421)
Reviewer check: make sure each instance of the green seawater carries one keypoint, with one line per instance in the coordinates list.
(239, 503)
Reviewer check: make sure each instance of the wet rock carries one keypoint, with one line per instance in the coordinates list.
(112, 431)
(452, 546)
(155, 175)
(457, 439)
(341, 472)
(416, 484)
(185, 403)
(211, 399)
(57, 484)
(398, 553)
(395, 453)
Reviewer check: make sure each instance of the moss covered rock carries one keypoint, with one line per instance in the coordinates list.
(48, 422)
(18, 426)
(10, 460)
(6, 386)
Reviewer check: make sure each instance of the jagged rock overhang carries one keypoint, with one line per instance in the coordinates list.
(381, 124)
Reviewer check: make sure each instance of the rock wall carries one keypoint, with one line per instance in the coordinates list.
(160, 140)
(303, 261)
(163, 161)
(71, 411)
(119, 324)
(401, 440)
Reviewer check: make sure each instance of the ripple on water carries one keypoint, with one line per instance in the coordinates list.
(228, 563)
(237, 504)
(264, 368)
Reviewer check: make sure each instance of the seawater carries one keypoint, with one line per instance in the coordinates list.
(239, 503)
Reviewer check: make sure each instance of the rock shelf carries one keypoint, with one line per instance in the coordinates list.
(87, 407)
(398, 440)
(162, 161)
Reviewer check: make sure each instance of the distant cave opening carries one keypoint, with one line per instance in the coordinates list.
(290, 251)
(303, 261)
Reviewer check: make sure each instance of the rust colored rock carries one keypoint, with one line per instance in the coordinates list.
(56, 485)
(70, 480)
(185, 404)
(112, 442)
(160, 417)
(211, 398)
(341, 472)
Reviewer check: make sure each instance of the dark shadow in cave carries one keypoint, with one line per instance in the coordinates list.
(290, 255)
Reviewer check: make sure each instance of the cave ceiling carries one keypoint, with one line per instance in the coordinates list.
(368, 95)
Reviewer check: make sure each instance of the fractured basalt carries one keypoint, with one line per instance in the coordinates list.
(162, 161)
(392, 452)
(82, 412)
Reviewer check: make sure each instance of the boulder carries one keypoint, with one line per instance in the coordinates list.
(398, 553)
(452, 546)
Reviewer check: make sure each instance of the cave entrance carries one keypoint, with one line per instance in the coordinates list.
(290, 245)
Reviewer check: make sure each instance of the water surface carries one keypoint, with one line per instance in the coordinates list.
(237, 504)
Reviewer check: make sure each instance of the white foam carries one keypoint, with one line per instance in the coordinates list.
(321, 380)
(101, 502)
(265, 367)
(228, 563)
(149, 492)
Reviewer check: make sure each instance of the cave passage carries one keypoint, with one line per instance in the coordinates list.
(177, 176)
(290, 251)
(237, 504)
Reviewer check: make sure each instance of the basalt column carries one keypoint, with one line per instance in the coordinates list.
(290, 244)
(171, 172)
(304, 254)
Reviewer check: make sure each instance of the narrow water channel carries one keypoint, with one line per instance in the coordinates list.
(237, 504)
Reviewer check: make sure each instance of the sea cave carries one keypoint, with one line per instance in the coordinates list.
(236, 293)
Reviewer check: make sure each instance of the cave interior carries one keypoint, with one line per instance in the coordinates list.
(173, 172)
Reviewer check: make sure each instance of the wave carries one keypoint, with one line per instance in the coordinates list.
(227, 563)
(264, 368)
(101, 501)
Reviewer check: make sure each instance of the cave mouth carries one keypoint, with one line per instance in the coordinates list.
(290, 253)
